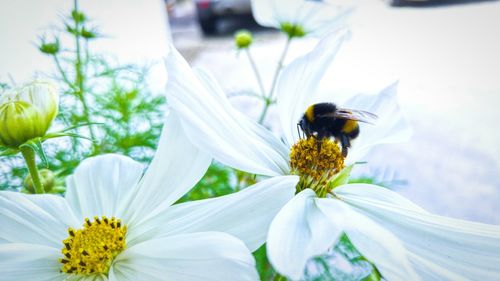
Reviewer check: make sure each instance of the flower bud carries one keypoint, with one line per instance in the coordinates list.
(47, 178)
(243, 39)
(293, 30)
(78, 17)
(50, 48)
(88, 34)
(27, 112)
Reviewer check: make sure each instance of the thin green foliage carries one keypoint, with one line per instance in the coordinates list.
(217, 181)
(342, 263)
(112, 102)
(266, 271)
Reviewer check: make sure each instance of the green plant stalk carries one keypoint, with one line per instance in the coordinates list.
(63, 74)
(79, 81)
(267, 104)
(269, 97)
(279, 66)
(279, 277)
(256, 72)
(30, 159)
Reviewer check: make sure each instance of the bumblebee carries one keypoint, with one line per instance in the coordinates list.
(326, 120)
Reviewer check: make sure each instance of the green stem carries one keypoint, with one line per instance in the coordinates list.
(264, 111)
(63, 73)
(279, 66)
(269, 98)
(279, 277)
(30, 159)
(80, 81)
(256, 72)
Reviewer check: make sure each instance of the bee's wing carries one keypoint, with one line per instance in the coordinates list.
(357, 115)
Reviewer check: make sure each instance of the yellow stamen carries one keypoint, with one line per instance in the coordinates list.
(92, 249)
(316, 162)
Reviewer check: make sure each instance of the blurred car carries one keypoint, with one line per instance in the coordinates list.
(396, 3)
(209, 11)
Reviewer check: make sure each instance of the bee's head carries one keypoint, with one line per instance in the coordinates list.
(304, 126)
(303, 123)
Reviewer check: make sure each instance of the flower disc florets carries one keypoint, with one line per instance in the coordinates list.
(93, 248)
(316, 162)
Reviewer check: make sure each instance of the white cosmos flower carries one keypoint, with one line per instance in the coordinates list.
(133, 225)
(213, 125)
(402, 240)
(299, 17)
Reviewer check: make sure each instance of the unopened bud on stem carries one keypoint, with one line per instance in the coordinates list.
(50, 48)
(243, 39)
(47, 178)
(27, 112)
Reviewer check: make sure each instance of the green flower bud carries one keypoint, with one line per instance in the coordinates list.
(293, 30)
(88, 34)
(78, 17)
(47, 178)
(243, 39)
(50, 48)
(27, 112)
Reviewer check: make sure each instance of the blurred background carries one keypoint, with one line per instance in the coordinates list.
(445, 55)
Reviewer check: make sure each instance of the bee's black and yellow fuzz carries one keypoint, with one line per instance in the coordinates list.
(320, 121)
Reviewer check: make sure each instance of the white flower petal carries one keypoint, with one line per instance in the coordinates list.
(299, 82)
(439, 248)
(122, 272)
(27, 262)
(264, 134)
(319, 18)
(375, 243)
(374, 193)
(390, 127)
(272, 13)
(177, 166)
(212, 124)
(195, 256)
(34, 219)
(300, 231)
(315, 17)
(103, 186)
(246, 214)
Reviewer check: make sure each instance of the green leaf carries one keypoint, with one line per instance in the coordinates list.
(342, 177)
(79, 126)
(353, 265)
(266, 271)
(58, 135)
(7, 151)
(217, 181)
(374, 275)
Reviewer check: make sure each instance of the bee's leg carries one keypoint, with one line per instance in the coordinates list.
(300, 131)
(319, 139)
(345, 143)
(318, 144)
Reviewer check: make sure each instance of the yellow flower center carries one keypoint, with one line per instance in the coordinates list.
(92, 249)
(316, 162)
